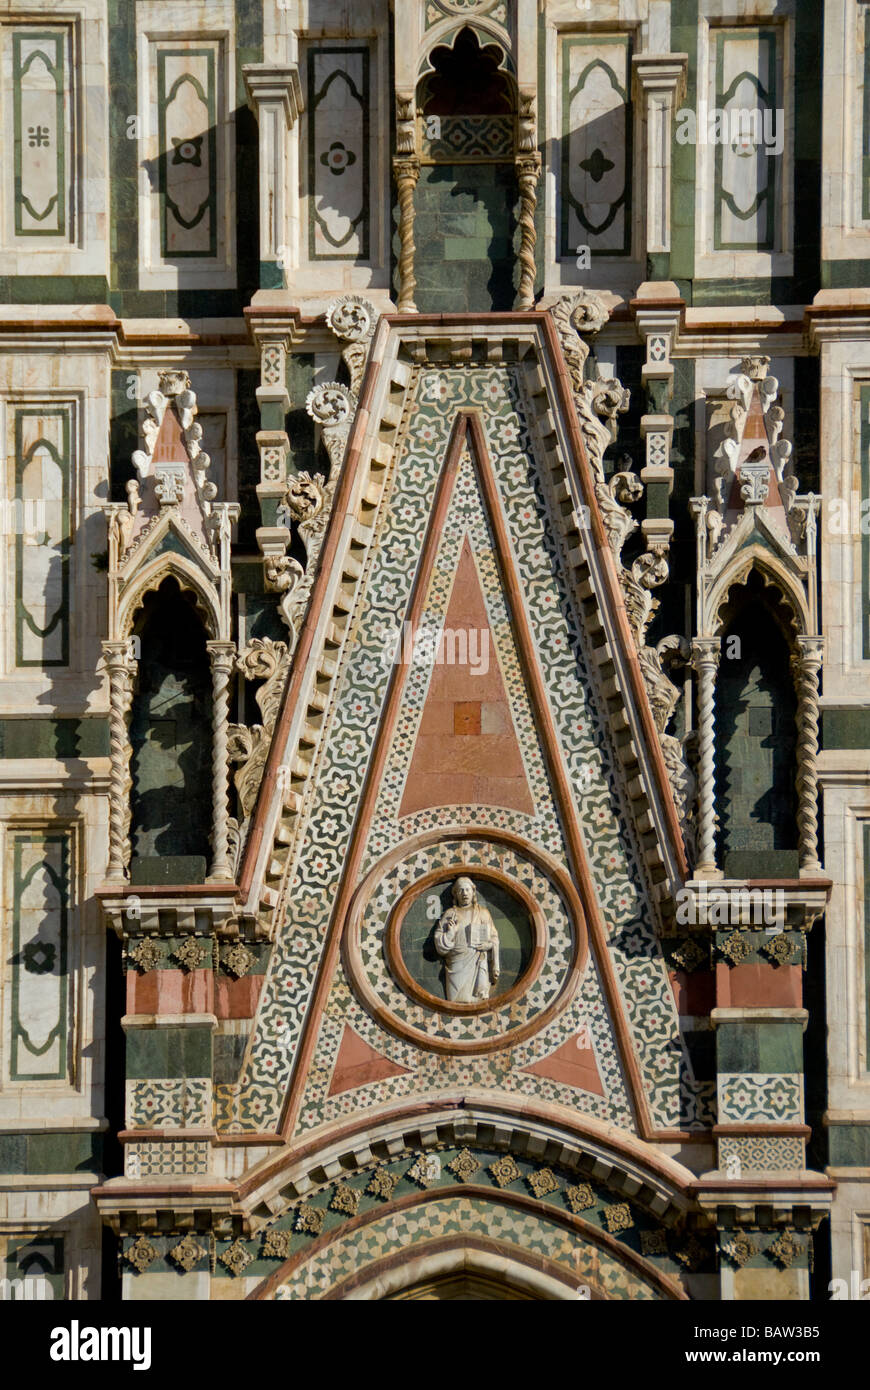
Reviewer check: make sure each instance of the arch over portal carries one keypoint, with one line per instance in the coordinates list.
(592, 1202)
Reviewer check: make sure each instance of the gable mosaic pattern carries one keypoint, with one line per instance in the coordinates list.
(673, 1095)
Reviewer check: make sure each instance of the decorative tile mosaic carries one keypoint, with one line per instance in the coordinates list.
(189, 128)
(760, 1096)
(173, 1158)
(467, 137)
(350, 1254)
(334, 788)
(43, 448)
(596, 117)
(43, 108)
(761, 1153)
(438, 10)
(745, 176)
(183, 1103)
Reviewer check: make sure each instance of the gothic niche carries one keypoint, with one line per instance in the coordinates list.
(467, 186)
(462, 941)
(756, 738)
(171, 742)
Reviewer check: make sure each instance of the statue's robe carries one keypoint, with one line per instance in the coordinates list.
(467, 940)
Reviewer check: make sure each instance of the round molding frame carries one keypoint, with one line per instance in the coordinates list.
(503, 1035)
(406, 981)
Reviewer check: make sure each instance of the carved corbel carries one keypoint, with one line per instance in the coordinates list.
(266, 661)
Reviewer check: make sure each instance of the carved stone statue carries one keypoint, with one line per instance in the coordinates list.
(467, 940)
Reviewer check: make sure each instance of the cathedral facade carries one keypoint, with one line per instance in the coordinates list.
(435, 731)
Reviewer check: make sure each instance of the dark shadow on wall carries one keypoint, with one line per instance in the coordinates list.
(464, 229)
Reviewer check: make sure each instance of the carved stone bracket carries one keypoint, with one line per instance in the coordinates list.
(266, 661)
(353, 320)
(307, 503)
(599, 403)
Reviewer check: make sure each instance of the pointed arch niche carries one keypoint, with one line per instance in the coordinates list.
(170, 741)
(168, 656)
(756, 734)
(466, 219)
(758, 723)
(467, 168)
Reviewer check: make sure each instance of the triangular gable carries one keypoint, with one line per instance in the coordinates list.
(614, 897)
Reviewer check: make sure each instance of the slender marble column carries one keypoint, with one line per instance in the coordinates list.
(528, 168)
(806, 664)
(117, 656)
(407, 171)
(705, 658)
(221, 655)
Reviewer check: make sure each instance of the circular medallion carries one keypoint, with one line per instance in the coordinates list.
(465, 943)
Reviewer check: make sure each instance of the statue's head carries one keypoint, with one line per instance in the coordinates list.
(464, 892)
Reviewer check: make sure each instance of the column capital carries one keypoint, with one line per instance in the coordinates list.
(528, 164)
(406, 167)
(706, 652)
(810, 651)
(660, 72)
(220, 651)
(270, 85)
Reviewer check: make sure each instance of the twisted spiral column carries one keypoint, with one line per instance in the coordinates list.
(705, 659)
(806, 664)
(221, 655)
(407, 173)
(117, 656)
(528, 168)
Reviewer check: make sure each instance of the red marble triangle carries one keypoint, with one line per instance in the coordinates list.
(358, 1064)
(466, 751)
(572, 1064)
(169, 445)
(755, 438)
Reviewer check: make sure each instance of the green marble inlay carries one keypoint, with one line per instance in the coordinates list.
(746, 92)
(849, 1146)
(846, 728)
(597, 153)
(54, 738)
(39, 135)
(339, 196)
(187, 131)
(168, 1052)
(40, 941)
(42, 494)
(759, 1047)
